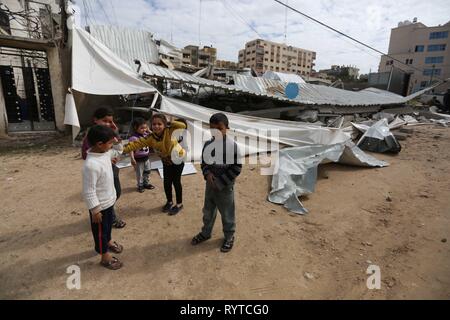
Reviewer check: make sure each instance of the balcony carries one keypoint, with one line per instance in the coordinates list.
(34, 21)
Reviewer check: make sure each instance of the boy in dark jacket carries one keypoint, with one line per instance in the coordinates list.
(221, 164)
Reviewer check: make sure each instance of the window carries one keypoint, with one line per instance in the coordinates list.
(437, 47)
(434, 72)
(420, 48)
(439, 35)
(409, 61)
(431, 60)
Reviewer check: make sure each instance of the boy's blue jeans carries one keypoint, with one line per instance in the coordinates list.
(223, 201)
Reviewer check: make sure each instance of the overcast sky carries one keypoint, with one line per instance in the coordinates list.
(229, 24)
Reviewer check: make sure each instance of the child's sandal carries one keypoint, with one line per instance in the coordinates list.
(199, 239)
(116, 248)
(227, 245)
(119, 224)
(113, 264)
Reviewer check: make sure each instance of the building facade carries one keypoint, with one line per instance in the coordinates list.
(223, 64)
(263, 55)
(199, 57)
(341, 72)
(424, 51)
(33, 66)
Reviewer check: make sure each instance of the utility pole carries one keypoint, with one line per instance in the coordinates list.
(64, 31)
(390, 78)
(432, 73)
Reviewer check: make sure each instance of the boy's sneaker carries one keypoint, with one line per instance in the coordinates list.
(174, 210)
(141, 189)
(149, 186)
(227, 245)
(167, 207)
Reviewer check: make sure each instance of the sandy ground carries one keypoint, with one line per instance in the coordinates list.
(324, 255)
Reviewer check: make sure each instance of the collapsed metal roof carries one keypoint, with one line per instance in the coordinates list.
(128, 44)
(310, 94)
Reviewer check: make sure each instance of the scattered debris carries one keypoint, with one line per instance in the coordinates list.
(444, 240)
(308, 116)
(406, 130)
(388, 199)
(308, 276)
(378, 138)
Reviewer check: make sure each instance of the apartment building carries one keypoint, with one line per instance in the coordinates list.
(425, 52)
(199, 57)
(224, 64)
(263, 55)
(341, 72)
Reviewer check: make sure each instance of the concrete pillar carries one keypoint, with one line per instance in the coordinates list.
(59, 86)
(3, 117)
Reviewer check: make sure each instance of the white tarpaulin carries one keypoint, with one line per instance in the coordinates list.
(97, 70)
(71, 116)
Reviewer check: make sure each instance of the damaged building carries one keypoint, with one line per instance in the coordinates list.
(33, 74)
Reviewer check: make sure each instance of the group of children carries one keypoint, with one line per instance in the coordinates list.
(101, 185)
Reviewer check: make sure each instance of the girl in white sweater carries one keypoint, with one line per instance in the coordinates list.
(99, 192)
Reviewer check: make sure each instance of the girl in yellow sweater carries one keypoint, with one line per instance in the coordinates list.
(171, 153)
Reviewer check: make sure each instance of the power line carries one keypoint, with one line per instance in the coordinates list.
(114, 12)
(236, 14)
(285, 23)
(199, 22)
(350, 37)
(104, 12)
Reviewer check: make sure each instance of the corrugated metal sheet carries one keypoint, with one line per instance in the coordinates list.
(128, 44)
(310, 94)
(323, 95)
(285, 77)
(169, 50)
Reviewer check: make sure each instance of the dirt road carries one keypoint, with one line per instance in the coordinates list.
(397, 218)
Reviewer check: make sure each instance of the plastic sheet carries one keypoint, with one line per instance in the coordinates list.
(97, 70)
(297, 170)
(378, 138)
